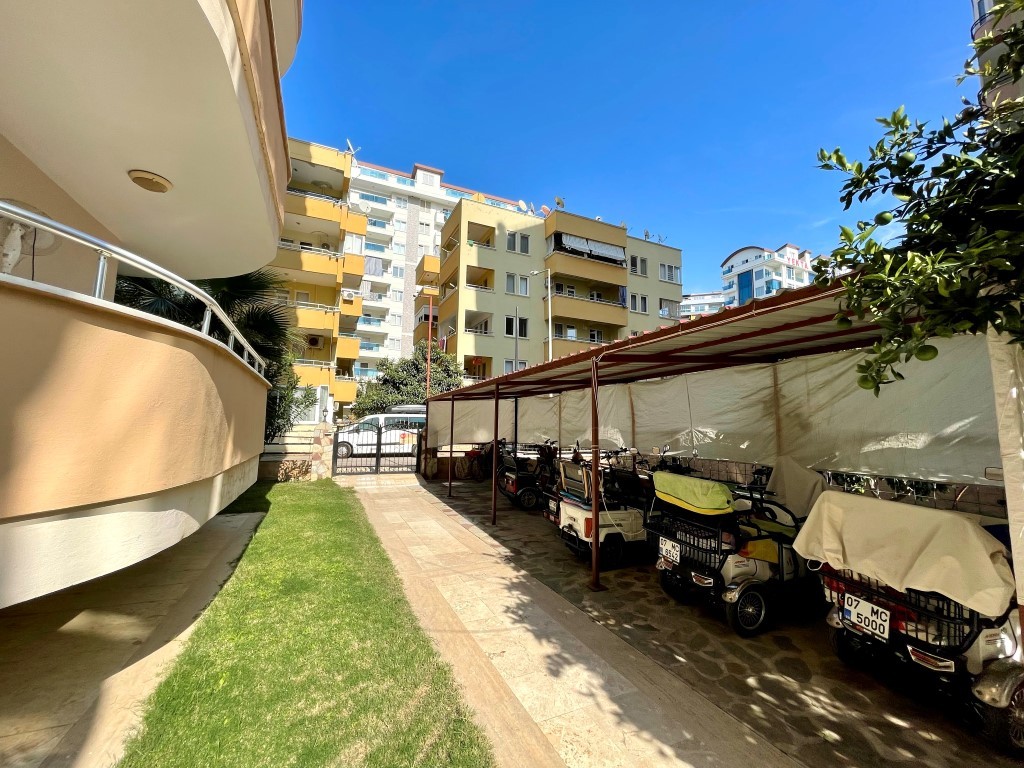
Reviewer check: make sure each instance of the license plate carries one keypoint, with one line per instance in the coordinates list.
(668, 549)
(866, 617)
(552, 505)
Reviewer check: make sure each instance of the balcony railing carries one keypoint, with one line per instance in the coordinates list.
(984, 19)
(307, 248)
(314, 363)
(587, 298)
(106, 251)
(373, 322)
(315, 195)
(371, 296)
(480, 288)
(307, 305)
(479, 332)
(366, 346)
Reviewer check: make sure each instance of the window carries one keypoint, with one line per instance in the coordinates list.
(373, 173)
(430, 179)
(395, 318)
(398, 248)
(643, 267)
(634, 333)
(513, 281)
(596, 296)
(596, 335)
(637, 303)
(758, 274)
(401, 202)
(424, 227)
(302, 297)
(510, 241)
(425, 207)
(510, 326)
(421, 250)
(524, 244)
(570, 290)
(375, 248)
(759, 291)
(399, 225)
(670, 309)
(404, 181)
(518, 366)
(446, 212)
(671, 273)
(790, 274)
(371, 198)
(638, 266)
(570, 332)
(397, 295)
(378, 223)
(281, 296)
(397, 271)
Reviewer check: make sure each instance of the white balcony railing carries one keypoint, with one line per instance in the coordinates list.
(480, 288)
(314, 363)
(479, 332)
(105, 251)
(292, 246)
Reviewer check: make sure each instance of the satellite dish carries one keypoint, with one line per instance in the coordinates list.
(647, 234)
(522, 205)
(545, 210)
(364, 207)
(598, 218)
(623, 225)
(560, 202)
(352, 149)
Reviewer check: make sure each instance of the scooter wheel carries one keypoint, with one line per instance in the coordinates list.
(749, 615)
(528, 498)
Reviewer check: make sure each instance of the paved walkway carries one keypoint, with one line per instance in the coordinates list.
(550, 686)
(75, 666)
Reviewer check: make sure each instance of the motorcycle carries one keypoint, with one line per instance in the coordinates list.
(524, 480)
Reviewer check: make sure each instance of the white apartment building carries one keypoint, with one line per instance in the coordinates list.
(753, 272)
(700, 304)
(405, 213)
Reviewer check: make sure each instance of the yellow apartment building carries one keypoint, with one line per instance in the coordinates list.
(320, 253)
(492, 303)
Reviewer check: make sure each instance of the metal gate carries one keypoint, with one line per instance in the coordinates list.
(375, 449)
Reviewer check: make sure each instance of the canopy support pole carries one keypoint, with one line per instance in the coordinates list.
(595, 482)
(1007, 362)
(494, 456)
(515, 426)
(451, 445)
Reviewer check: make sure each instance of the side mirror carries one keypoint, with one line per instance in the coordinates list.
(633, 451)
(667, 448)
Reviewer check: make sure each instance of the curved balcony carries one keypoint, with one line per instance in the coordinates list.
(124, 432)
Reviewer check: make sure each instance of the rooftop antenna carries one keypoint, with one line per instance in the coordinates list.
(545, 210)
(522, 206)
(352, 149)
(623, 225)
(647, 234)
(559, 202)
(661, 239)
(533, 212)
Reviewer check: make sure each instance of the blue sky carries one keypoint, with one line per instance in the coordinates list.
(699, 121)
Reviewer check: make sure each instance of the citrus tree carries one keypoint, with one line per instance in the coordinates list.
(957, 192)
(404, 381)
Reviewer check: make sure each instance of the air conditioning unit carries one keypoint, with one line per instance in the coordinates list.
(348, 295)
(315, 342)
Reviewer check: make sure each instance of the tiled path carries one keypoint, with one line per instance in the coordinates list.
(627, 676)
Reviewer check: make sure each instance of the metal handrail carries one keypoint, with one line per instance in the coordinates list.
(981, 21)
(107, 250)
(307, 248)
(314, 363)
(316, 195)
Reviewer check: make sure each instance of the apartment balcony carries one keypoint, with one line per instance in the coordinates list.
(379, 227)
(313, 372)
(159, 426)
(572, 267)
(376, 300)
(346, 348)
(344, 389)
(428, 270)
(372, 326)
(569, 346)
(480, 279)
(478, 323)
(378, 204)
(371, 350)
(351, 273)
(350, 307)
(602, 312)
(315, 205)
(305, 258)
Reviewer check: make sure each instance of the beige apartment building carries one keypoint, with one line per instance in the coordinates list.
(491, 303)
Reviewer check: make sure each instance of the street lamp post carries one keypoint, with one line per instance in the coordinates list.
(551, 337)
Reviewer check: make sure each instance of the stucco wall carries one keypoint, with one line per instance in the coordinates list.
(69, 266)
(98, 406)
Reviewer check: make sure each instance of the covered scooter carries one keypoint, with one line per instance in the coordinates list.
(928, 588)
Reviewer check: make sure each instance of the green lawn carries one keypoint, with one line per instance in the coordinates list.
(309, 656)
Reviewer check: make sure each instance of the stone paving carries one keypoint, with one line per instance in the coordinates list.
(786, 684)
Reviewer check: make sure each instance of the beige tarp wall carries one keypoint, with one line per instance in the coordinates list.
(940, 424)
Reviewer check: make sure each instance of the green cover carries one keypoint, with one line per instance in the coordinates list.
(694, 492)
